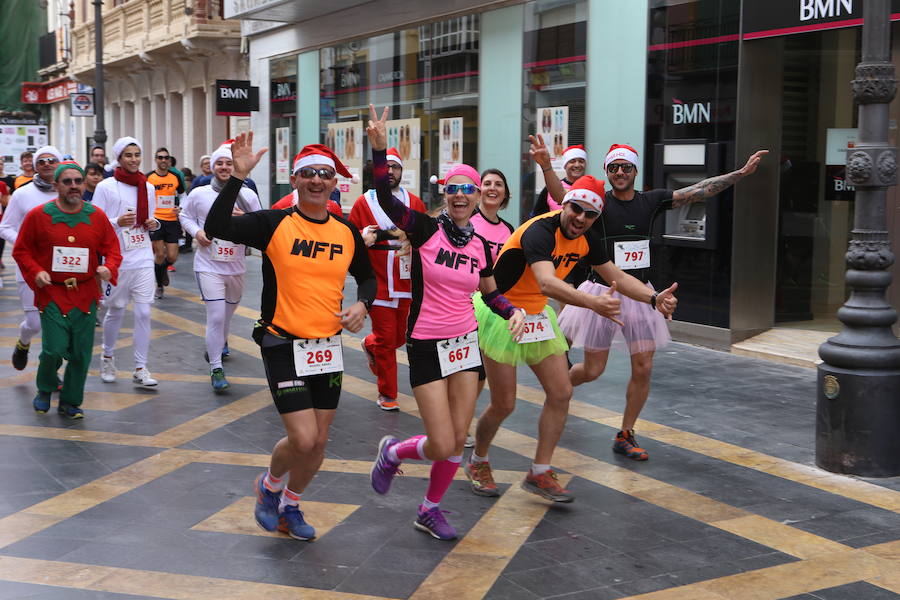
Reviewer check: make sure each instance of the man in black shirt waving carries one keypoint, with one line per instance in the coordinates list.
(625, 225)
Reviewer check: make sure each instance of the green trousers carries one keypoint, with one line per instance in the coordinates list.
(69, 337)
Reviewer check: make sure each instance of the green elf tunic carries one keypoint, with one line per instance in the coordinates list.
(69, 247)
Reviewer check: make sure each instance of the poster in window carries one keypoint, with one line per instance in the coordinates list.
(451, 143)
(405, 135)
(282, 155)
(346, 140)
(553, 125)
(15, 139)
(838, 142)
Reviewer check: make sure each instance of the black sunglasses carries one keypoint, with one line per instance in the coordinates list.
(46, 161)
(72, 181)
(613, 167)
(578, 209)
(161, 157)
(310, 172)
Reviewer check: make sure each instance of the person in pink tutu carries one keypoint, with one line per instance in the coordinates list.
(625, 225)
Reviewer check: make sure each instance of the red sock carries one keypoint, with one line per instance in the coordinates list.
(410, 449)
(442, 473)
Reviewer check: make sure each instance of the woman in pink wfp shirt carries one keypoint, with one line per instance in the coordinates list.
(449, 263)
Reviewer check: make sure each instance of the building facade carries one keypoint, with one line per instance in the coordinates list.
(161, 62)
(694, 85)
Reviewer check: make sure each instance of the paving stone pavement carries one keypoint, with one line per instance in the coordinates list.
(150, 495)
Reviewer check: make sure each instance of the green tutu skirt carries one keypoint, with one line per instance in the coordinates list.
(497, 344)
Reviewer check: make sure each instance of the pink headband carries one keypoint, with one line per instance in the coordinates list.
(465, 171)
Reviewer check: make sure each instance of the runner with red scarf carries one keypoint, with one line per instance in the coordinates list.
(128, 199)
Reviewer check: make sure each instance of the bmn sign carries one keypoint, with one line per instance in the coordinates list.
(236, 98)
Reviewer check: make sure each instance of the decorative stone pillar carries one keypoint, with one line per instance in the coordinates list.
(858, 395)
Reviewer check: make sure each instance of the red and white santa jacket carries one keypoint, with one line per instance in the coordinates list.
(391, 271)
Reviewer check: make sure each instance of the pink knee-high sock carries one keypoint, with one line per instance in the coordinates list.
(410, 449)
(442, 473)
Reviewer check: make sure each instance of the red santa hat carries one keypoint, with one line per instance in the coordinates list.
(621, 152)
(586, 190)
(573, 152)
(223, 151)
(319, 154)
(393, 155)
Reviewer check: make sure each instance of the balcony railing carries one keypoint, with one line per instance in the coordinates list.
(142, 26)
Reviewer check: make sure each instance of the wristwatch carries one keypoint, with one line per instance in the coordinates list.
(653, 299)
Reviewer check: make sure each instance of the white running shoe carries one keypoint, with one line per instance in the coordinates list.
(107, 369)
(143, 377)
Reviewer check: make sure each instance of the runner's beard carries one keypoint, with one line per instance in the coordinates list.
(71, 200)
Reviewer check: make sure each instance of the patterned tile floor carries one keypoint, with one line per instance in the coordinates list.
(150, 495)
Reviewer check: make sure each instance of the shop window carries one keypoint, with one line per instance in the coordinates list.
(554, 84)
(428, 76)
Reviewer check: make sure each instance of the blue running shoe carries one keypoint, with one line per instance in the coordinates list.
(292, 523)
(432, 521)
(69, 411)
(266, 511)
(225, 351)
(219, 383)
(41, 403)
(384, 469)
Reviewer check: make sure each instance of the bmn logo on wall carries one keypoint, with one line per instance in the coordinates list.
(687, 114)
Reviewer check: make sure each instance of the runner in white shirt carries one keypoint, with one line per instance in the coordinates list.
(39, 191)
(218, 265)
(131, 216)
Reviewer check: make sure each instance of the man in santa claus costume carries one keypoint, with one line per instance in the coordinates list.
(391, 307)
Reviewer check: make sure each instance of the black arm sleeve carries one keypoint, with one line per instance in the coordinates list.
(383, 235)
(418, 226)
(361, 269)
(252, 229)
(538, 241)
(488, 269)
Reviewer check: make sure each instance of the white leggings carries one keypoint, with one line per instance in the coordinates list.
(218, 324)
(113, 322)
(31, 326)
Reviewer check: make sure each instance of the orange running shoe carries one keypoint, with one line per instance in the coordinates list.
(546, 485)
(482, 479)
(627, 445)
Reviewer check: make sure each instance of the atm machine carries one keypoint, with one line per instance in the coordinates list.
(688, 242)
(678, 164)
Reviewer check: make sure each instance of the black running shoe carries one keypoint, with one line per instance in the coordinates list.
(20, 356)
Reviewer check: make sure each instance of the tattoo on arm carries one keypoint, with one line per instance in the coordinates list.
(704, 189)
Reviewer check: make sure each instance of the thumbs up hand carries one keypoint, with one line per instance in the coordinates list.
(607, 305)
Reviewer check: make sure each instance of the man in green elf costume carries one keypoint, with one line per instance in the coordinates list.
(59, 251)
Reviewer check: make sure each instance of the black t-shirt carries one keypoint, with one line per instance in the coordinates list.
(541, 206)
(630, 220)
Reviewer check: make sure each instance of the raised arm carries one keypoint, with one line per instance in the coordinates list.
(252, 229)
(541, 156)
(399, 213)
(712, 186)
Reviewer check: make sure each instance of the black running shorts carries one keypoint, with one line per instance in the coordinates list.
(424, 366)
(292, 393)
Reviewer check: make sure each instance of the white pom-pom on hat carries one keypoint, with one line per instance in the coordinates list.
(433, 179)
(354, 179)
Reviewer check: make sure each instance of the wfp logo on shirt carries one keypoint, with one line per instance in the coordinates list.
(565, 259)
(312, 248)
(455, 260)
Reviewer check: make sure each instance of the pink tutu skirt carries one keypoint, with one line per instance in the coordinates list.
(645, 328)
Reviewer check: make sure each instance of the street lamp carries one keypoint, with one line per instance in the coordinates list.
(99, 109)
(858, 392)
